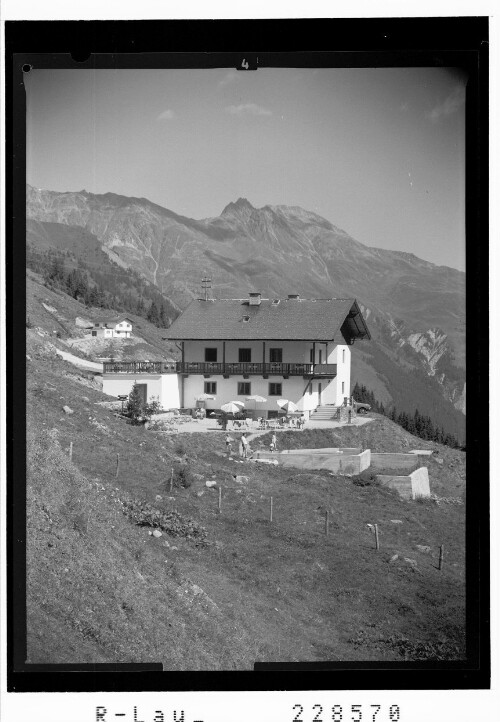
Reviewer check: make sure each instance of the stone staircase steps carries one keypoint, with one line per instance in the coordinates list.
(323, 413)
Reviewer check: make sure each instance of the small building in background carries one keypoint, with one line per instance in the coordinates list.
(116, 327)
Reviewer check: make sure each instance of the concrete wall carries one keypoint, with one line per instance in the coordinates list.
(414, 486)
(393, 461)
(325, 450)
(309, 459)
(166, 387)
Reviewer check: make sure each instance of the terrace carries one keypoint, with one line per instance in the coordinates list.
(225, 369)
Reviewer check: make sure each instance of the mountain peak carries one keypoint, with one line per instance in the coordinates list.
(240, 205)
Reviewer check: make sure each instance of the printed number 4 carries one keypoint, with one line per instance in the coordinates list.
(244, 64)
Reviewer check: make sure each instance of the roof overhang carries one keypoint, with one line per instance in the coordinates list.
(354, 326)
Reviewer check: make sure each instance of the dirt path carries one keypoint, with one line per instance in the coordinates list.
(82, 363)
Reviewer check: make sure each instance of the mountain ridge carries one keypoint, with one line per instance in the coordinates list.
(279, 250)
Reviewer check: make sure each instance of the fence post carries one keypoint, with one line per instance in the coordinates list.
(441, 555)
(70, 450)
(117, 464)
(220, 499)
(271, 510)
(327, 529)
(377, 545)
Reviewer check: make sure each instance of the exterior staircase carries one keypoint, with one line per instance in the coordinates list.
(324, 413)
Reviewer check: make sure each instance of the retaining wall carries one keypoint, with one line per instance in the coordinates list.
(311, 459)
(394, 461)
(413, 486)
(324, 450)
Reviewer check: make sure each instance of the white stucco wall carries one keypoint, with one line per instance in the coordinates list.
(292, 388)
(227, 390)
(293, 351)
(175, 391)
(162, 386)
(341, 355)
(170, 391)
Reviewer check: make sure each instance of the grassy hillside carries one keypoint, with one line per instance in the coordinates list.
(102, 588)
(55, 313)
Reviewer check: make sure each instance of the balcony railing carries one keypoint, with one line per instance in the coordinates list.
(139, 367)
(215, 368)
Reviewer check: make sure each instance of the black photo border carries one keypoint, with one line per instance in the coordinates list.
(381, 42)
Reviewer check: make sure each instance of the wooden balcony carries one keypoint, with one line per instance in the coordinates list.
(218, 369)
(139, 367)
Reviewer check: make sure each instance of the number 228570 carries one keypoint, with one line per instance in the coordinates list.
(352, 713)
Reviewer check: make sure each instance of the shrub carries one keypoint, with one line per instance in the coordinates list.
(183, 476)
(154, 407)
(180, 449)
(144, 514)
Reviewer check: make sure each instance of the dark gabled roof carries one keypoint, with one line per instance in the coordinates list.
(114, 320)
(289, 319)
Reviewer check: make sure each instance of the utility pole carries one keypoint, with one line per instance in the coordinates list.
(206, 284)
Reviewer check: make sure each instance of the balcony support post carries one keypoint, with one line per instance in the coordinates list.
(182, 352)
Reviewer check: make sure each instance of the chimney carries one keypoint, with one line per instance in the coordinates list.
(254, 299)
(295, 296)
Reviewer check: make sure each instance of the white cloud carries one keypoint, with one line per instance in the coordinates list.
(229, 78)
(247, 109)
(166, 115)
(450, 105)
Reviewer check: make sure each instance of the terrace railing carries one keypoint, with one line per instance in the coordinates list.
(215, 368)
(139, 367)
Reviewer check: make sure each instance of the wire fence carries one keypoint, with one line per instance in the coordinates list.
(119, 468)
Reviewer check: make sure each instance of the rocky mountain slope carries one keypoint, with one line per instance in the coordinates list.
(415, 310)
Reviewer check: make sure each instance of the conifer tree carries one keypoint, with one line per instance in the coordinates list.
(135, 405)
(154, 314)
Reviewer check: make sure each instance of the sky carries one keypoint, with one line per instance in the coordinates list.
(379, 152)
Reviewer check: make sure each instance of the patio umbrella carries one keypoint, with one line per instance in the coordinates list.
(286, 405)
(232, 407)
(258, 399)
(205, 397)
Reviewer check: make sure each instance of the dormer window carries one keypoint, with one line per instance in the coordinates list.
(246, 319)
(275, 302)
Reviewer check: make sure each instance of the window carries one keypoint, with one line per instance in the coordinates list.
(244, 388)
(311, 356)
(244, 355)
(342, 387)
(94, 333)
(246, 319)
(211, 355)
(211, 387)
(275, 390)
(320, 354)
(276, 355)
(343, 355)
